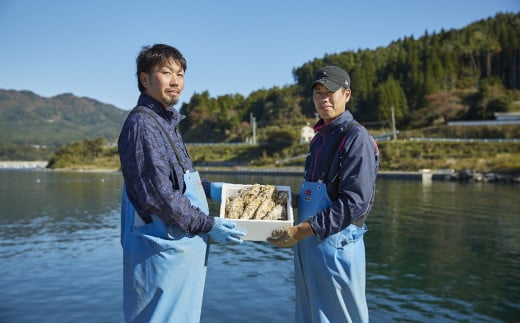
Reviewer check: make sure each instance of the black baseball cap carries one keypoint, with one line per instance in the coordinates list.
(332, 77)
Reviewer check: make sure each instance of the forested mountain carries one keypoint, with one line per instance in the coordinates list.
(468, 73)
(29, 119)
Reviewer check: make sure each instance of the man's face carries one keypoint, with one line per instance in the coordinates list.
(165, 83)
(329, 105)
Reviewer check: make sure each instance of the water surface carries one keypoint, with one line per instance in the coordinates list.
(445, 252)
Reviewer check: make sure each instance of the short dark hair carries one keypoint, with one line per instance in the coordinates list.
(151, 56)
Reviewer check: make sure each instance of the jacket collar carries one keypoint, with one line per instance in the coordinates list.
(169, 114)
(341, 121)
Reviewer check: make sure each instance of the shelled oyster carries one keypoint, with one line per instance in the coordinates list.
(258, 202)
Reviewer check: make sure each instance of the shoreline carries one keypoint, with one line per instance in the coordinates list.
(424, 175)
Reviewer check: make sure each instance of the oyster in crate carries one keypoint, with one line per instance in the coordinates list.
(258, 209)
(257, 202)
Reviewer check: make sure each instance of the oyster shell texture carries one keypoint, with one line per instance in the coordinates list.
(257, 202)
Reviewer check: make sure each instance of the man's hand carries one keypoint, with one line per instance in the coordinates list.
(225, 231)
(283, 237)
(288, 236)
(215, 190)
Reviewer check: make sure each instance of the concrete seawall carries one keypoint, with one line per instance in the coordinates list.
(295, 171)
(424, 175)
(22, 164)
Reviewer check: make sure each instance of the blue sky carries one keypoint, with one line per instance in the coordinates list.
(88, 47)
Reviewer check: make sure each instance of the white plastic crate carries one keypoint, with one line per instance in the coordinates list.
(257, 230)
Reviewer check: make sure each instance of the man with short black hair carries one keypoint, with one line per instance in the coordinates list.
(165, 222)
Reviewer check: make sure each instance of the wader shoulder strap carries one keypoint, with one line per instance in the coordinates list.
(332, 153)
(167, 133)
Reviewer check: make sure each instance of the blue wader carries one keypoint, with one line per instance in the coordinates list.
(164, 268)
(329, 273)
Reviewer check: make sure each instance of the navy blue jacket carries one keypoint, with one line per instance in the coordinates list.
(351, 177)
(152, 171)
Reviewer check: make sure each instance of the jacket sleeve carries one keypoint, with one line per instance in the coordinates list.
(356, 187)
(150, 181)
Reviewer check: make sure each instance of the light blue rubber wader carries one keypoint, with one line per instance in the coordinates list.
(329, 273)
(164, 268)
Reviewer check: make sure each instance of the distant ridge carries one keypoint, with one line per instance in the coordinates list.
(29, 119)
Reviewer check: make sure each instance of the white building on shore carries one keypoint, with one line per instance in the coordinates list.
(306, 134)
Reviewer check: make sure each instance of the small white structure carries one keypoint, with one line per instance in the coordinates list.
(23, 164)
(506, 116)
(306, 135)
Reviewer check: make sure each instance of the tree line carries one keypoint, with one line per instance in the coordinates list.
(86, 152)
(468, 74)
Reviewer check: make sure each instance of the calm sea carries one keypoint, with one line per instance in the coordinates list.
(443, 252)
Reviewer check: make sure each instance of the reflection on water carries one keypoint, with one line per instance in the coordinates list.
(59, 247)
(449, 247)
(439, 252)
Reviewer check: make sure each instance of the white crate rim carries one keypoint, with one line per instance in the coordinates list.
(257, 230)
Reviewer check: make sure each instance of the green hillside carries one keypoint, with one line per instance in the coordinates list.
(26, 118)
(459, 74)
(464, 74)
(32, 127)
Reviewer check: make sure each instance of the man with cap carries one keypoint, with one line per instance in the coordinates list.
(335, 198)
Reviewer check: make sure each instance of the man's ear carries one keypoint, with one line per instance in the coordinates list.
(145, 80)
(348, 92)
